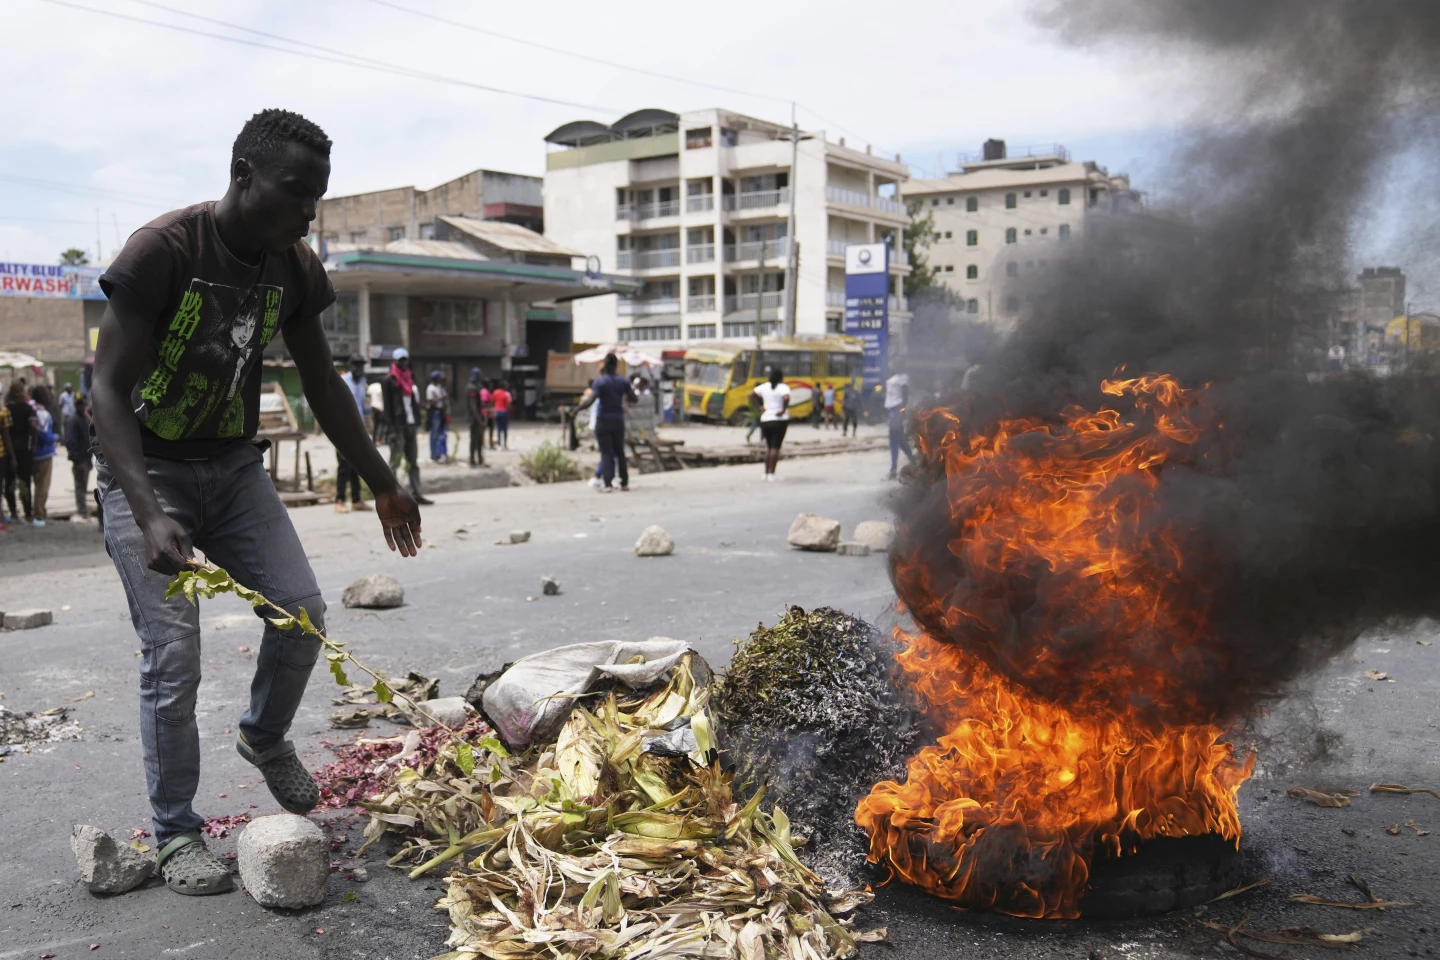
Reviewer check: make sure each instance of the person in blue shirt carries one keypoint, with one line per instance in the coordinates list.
(610, 391)
(346, 476)
(44, 456)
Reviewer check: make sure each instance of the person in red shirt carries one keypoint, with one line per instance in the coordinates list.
(500, 398)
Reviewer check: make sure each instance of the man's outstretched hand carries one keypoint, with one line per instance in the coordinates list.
(400, 519)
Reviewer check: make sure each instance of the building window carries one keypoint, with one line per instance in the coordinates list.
(395, 233)
(1027, 194)
(972, 272)
(972, 238)
(1027, 231)
(1012, 304)
(834, 324)
(1010, 235)
(950, 201)
(949, 268)
(452, 318)
(1009, 201)
(1012, 269)
(972, 204)
(972, 306)
(1064, 196)
(701, 331)
(357, 236)
(1064, 231)
(427, 231)
(729, 138)
(697, 138)
(332, 238)
(1094, 197)
(948, 235)
(935, 202)
(633, 334)
(1044, 193)
(1044, 231)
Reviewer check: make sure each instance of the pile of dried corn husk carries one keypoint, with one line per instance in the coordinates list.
(595, 846)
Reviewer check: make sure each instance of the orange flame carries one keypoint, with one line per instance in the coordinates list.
(1063, 645)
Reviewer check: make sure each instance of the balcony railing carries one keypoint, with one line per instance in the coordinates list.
(700, 202)
(757, 199)
(834, 298)
(859, 198)
(746, 328)
(750, 250)
(836, 248)
(648, 259)
(647, 211)
(634, 334)
(703, 303)
(700, 253)
(767, 302)
(646, 308)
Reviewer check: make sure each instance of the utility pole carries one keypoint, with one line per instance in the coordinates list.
(760, 300)
(99, 254)
(792, 253)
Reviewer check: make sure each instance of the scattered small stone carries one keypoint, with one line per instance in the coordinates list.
(27, 619)
(810, 531)
(105, 865)
(654, 542)
(852, 548)
(360, 875)
(878, 535)
(376, 591)
(519, 536)
(284, 861)
(451, 711)
(549, 586)
(529, 599)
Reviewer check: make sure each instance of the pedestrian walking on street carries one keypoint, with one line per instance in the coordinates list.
(77, 444)
(7, 469)
(475, 407)
(437, 403)
(501, 400)
(375, 396)
(897, 398)
(851, 397)
(347, 478)
(828, 396)
(195, 297)
(67, 403)
(402, 413)
(46, 439)
(487, 407)
(773, 399)
(23, 427)
(609, 393)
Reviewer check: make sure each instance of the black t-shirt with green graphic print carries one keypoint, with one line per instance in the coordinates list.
(214, 315)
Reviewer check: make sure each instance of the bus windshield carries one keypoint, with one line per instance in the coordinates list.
(704, 373)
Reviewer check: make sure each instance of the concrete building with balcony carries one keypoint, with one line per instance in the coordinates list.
(1006, 213)
(698, 206)
(405, 213)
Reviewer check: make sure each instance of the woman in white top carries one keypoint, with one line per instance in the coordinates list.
(773, 398)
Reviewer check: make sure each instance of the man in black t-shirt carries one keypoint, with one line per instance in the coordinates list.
(195, 297)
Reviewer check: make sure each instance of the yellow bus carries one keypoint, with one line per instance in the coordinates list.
(719, 377)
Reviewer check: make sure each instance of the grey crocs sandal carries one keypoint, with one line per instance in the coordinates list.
(290, 783)
(189, 868)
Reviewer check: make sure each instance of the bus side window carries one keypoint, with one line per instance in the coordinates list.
(740, 371)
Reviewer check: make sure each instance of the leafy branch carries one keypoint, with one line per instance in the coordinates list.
(206, 580)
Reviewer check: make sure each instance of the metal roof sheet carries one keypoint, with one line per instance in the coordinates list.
(509, 236)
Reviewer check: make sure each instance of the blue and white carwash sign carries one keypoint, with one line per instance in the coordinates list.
(49, 280)
(867, 300)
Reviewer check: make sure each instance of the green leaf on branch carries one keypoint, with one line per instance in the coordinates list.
(383, 693)
(494, 746)
(338, 672)
(282, 623)
(465, 758)
(177, 586)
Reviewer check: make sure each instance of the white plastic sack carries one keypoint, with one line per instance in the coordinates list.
(532, 699)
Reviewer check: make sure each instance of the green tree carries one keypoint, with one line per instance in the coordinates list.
(918, 237)
(74, 257)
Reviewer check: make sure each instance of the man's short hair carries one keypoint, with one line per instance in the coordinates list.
(264, 136)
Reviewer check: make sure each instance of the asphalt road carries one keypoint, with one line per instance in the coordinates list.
(468, 610)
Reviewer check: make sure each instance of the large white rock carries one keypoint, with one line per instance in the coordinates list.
(810, 531)
(284, 860)
(378, 590)
(107, 866)
(878, 535)
(27, 619)
(451, 711)
(654, 542)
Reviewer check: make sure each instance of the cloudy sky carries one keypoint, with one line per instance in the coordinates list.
(130, 118)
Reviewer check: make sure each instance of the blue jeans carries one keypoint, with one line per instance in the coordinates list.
(610, 436)
(898, 440)
(439, 439)
(502, 427)
(231, 510)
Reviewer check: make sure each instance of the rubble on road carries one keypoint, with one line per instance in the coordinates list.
(852, 548)
(451, 711)
(376, 591)
(284, 861)
(27, 619)
(810, 531)
(654, 542)
(519, 536)
(415, 686)
(106, 865)
(878, 535)
(21, 730)
(549, 586)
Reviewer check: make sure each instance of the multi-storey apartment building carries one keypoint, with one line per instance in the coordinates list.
(699, 206)
(405, 213)
(1006, 213)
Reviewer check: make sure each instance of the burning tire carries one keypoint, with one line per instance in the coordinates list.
(1168, 873)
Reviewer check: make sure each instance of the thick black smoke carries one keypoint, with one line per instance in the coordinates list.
(1315, 512)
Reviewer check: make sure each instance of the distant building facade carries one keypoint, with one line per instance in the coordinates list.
(405, 213)
(1007, 213)
(697, 206)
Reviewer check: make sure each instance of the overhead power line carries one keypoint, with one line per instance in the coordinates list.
(93, 193)
(340, 57)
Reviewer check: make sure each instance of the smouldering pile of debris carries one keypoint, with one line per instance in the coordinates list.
(617, 837)
(18, 731)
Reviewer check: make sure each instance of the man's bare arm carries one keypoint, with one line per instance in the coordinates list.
(334, 407)
(120, 352)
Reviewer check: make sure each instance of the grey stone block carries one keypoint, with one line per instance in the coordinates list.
(878, 535)
(284, 861)
(451, 711)
(654, 542)
(850, 548)
(519, 536)
(810, 531)
(27, 619)
(107, 866)
(378, 591)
